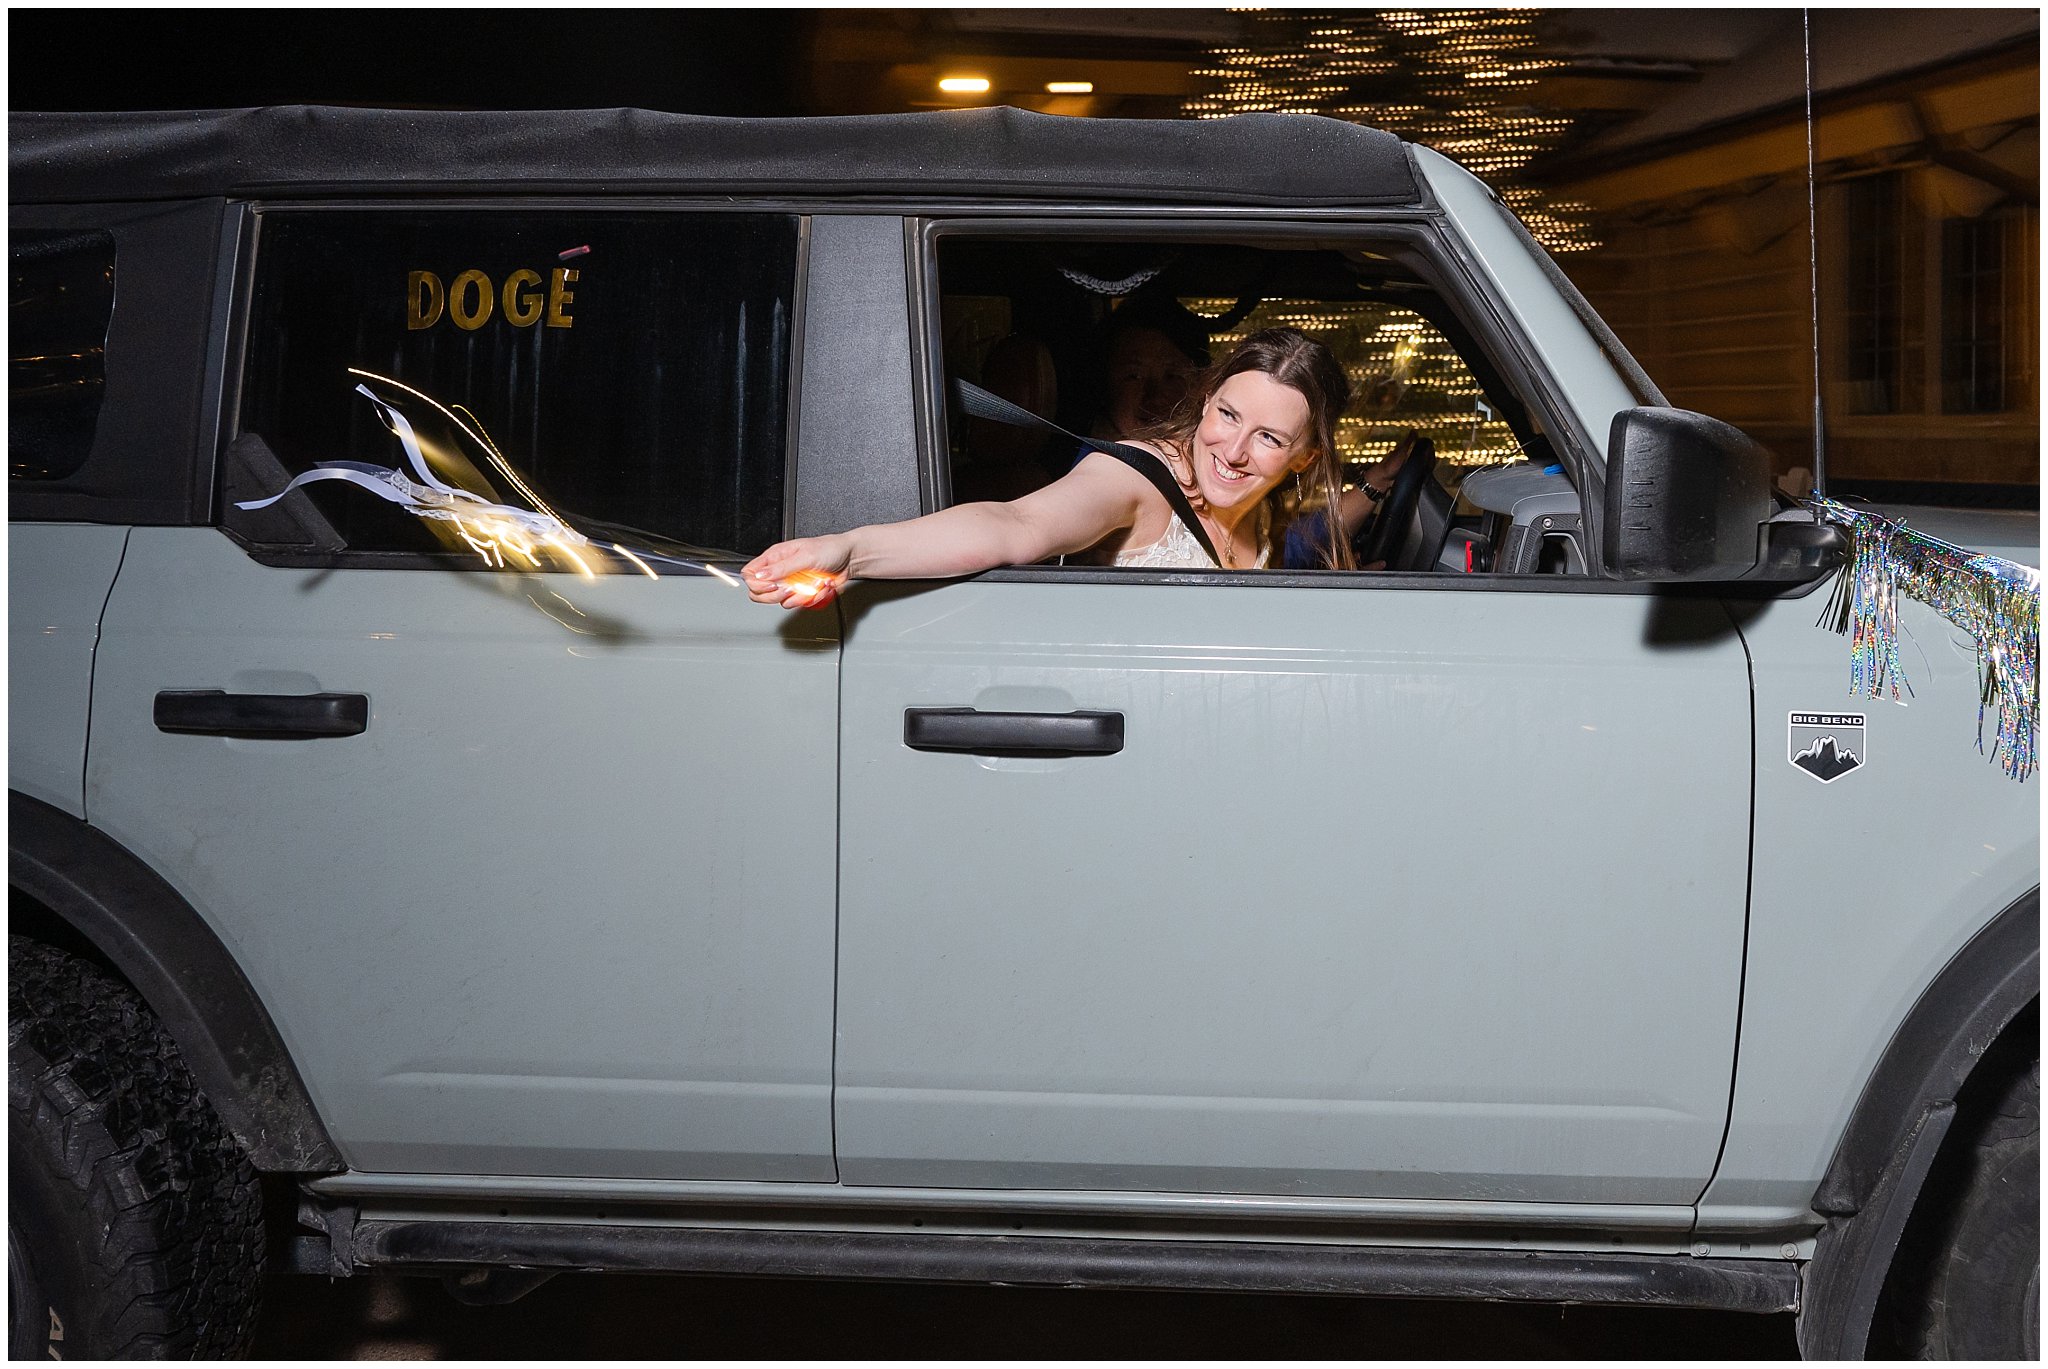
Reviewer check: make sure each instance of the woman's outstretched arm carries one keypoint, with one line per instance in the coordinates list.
(1098, 497)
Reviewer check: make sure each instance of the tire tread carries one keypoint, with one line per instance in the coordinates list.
(1964, 1264)
(171, 1226)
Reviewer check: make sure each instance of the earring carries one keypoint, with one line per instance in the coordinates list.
(1299, 493)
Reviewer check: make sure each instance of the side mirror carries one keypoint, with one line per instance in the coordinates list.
(1687, 498)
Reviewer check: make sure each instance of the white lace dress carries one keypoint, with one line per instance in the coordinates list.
(1178, 550)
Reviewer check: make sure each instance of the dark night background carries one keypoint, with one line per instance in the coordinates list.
(738, 62)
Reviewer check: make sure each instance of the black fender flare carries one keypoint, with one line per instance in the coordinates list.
(161, 946)
(1898, 1124)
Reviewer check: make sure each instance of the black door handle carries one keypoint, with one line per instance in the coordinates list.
(266, 717)
(1013, 734)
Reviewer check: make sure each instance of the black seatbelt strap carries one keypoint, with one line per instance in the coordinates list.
(979, 403)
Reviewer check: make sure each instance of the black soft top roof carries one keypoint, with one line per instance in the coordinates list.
(1251, 159)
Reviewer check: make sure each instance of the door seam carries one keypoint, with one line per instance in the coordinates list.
(92, 682)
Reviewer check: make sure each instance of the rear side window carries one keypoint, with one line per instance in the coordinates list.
(112, 332)
(458, 382)
(59, 303)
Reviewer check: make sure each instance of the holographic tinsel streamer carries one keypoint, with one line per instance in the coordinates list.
(1996, 601)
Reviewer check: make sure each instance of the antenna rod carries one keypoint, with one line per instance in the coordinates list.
(1820, 465)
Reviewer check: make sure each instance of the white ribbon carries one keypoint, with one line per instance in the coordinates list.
(431, 497)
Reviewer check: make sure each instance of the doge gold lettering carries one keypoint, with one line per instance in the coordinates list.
(522, 301)
(423, 300)
(560, 297)
(470, 300)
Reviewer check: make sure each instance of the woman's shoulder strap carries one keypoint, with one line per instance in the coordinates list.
(981, 404)
(1153, 467)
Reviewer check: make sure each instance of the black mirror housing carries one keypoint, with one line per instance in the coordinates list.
(1687, 497)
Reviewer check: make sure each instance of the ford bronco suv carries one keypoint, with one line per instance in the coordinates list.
(424, 857)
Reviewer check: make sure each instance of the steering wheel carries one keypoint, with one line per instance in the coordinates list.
(1383, 536)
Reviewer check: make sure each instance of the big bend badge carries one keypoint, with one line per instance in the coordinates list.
(1826, 746)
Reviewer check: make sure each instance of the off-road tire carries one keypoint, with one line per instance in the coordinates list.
(1972, 1284)
(134, 1220)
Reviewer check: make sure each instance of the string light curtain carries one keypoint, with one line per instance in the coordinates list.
(1459, 81)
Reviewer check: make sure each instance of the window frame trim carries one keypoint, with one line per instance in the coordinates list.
(222, 424)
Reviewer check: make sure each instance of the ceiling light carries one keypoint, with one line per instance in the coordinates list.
(964, 85)
(1070, 87)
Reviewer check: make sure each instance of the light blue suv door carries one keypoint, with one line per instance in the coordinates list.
(522, 923)
(1393, 891)
(562, 905)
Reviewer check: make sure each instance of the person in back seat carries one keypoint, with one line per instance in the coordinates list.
(1152, 351)
(1003, 461)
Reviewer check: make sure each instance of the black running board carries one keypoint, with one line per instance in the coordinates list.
(1065, 1262)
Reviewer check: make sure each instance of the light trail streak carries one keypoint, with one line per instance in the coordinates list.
(481, 438)
(569, 552)
(491, 530)
(645, 569)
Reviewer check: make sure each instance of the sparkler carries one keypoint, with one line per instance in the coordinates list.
(809, 588)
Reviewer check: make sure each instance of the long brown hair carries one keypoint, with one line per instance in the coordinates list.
(1298, 361)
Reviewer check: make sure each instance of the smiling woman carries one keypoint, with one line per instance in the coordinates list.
(1267, 412)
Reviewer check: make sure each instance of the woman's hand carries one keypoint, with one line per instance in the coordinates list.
(1381, 475)
(806, 573)
(1357, 505)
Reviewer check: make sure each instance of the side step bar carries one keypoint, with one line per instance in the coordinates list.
(1272, 1266)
